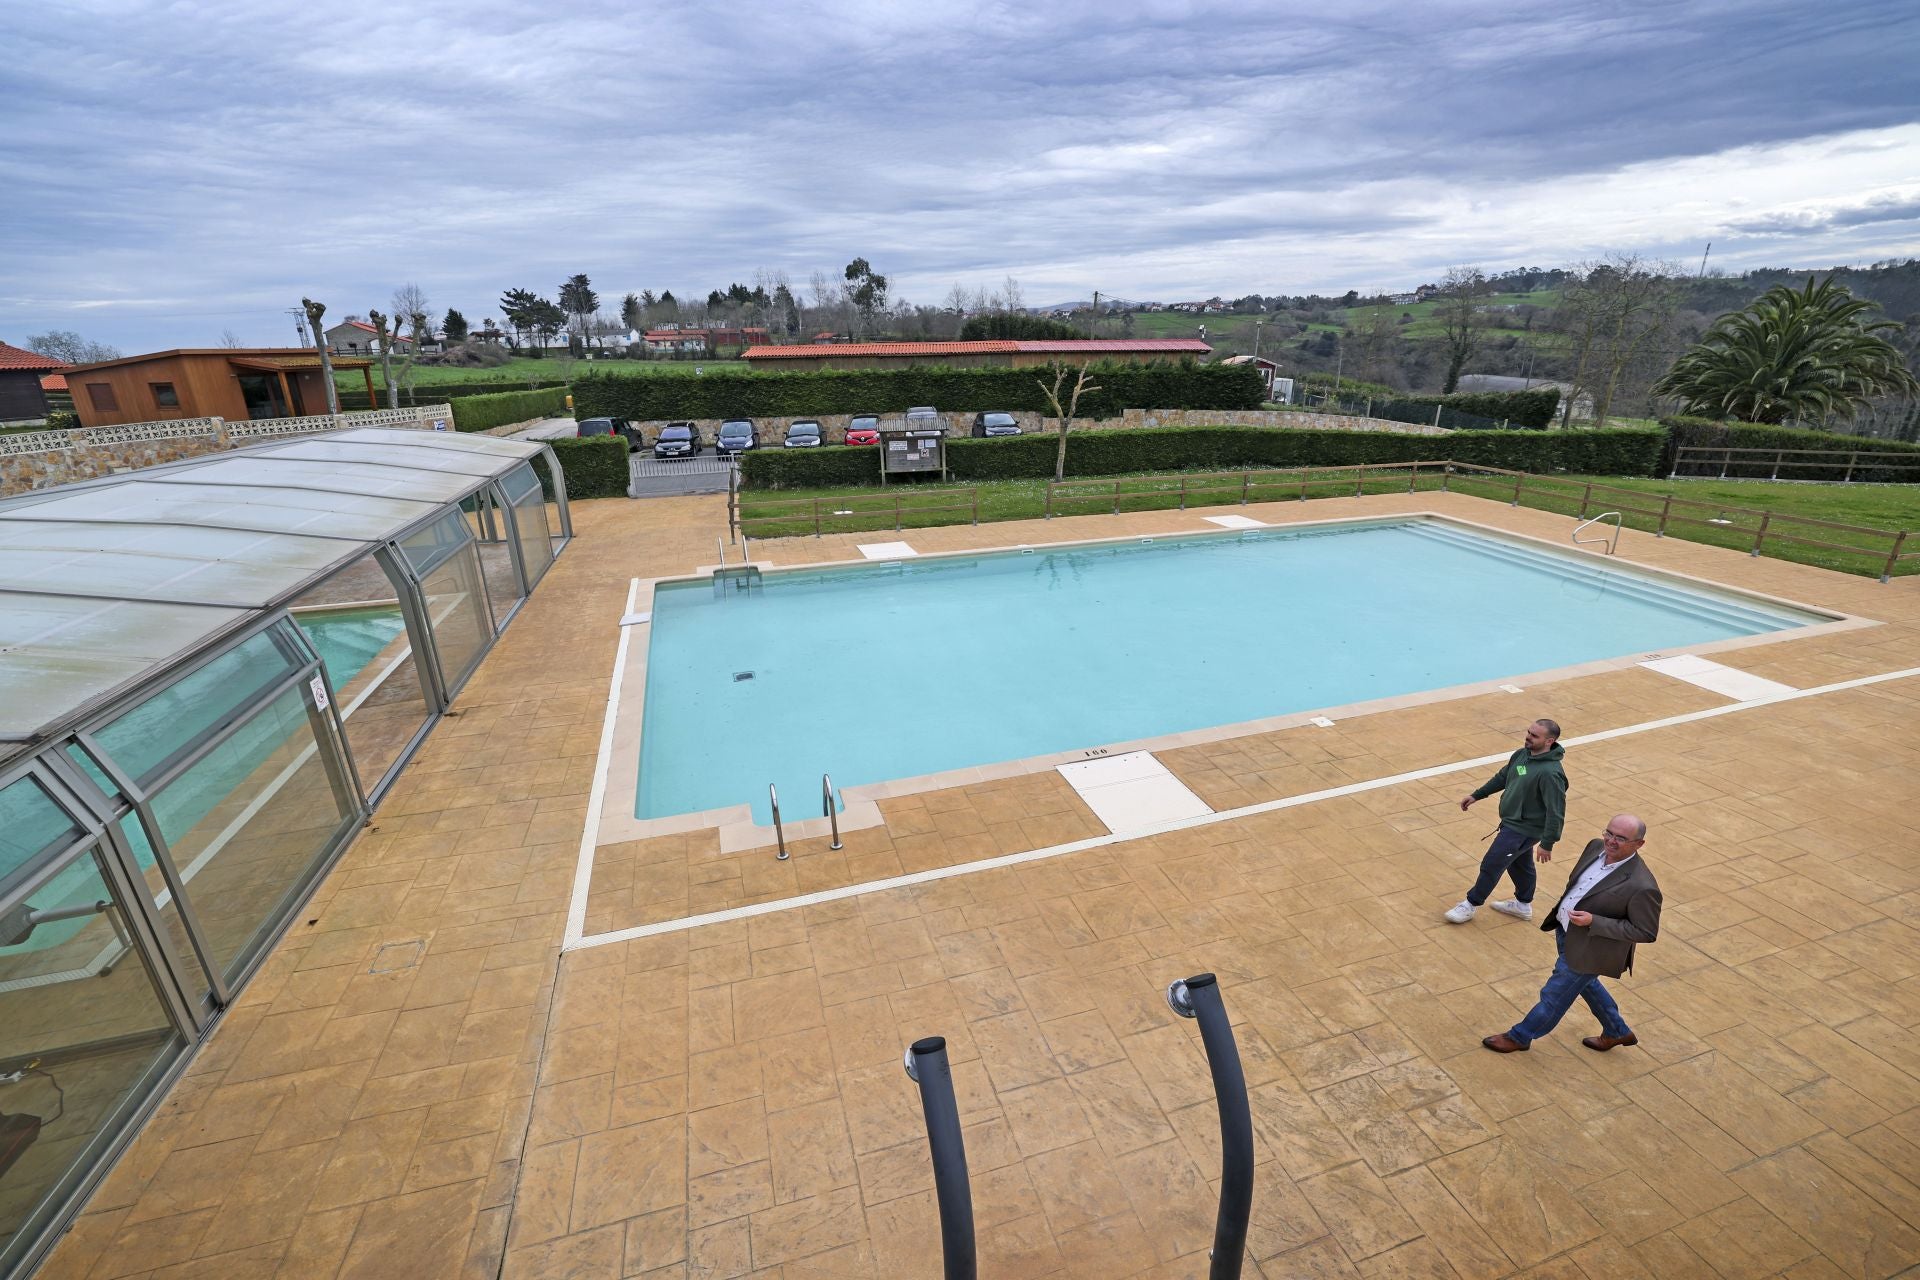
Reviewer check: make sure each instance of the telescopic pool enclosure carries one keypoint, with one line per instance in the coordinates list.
(210, 672)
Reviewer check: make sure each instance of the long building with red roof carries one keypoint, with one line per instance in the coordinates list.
(23, 374)
(1001, 353)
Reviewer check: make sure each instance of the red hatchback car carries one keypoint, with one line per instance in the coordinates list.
(863, 428)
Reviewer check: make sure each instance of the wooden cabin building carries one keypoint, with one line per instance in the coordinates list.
(23, 396)
(237, 384)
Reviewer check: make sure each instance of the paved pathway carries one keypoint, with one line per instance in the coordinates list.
(728, 1101)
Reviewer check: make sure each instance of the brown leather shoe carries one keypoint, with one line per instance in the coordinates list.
(1503, 1043)
(1600, 1044)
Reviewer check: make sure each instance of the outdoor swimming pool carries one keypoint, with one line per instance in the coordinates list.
(892, 671)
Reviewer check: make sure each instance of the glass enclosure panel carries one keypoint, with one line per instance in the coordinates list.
(248, 821)
(488, 523)
(530, 520)
(200, 704)
(30, 824)
(354, 621)
(443, 557)
(81, 1016)
(193, 977)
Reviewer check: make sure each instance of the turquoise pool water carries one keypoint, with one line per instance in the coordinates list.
(348, 639)
(890, 671)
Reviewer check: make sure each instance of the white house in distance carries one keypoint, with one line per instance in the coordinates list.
(357, 337)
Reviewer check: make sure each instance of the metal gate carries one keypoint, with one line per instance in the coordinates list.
(651, 477)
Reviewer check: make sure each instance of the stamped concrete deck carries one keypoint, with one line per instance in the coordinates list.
(420, 1085)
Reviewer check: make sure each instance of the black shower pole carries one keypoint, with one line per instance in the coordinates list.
(926, 1063)
(1199, 997)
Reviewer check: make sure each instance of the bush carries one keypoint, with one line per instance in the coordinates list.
(353, 398)
(1623, 451)
(481, 413)
(1705, 433)
(594, 466)
(1186, 385)
(61, 420)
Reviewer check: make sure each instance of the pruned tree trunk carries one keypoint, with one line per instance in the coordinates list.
(380, 325)
(315, 310)
(1064, 413)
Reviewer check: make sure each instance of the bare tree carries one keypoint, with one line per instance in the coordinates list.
(315, 311)
(1617, 314)
(231, 340)
(1066, 412)
(385, 334)
(65, 344)
(956, 300)
(1462, 321)
(1014, 298)
(1376, 343)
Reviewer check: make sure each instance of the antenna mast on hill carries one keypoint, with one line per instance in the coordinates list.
(1703, 259)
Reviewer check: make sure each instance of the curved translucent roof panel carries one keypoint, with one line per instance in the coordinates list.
(105, 581)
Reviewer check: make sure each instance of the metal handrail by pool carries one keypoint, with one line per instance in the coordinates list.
(926, 1063)
(779, 832)
(828, 809)
(1611, 544)
(1199, 997)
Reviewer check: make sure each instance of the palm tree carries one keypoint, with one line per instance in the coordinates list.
(1793, 353)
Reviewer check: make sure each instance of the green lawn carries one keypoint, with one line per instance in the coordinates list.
(1881, 508)
(520, 370)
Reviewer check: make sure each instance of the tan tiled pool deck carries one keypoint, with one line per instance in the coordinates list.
(420, 1085)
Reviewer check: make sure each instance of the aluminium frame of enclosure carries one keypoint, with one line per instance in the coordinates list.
(191, 1010)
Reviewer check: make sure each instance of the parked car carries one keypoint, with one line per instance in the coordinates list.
(995, 424)
(863, 428)
(677, 440)
(921, 416)
(612, 427)
(736, 435)
(804, 434)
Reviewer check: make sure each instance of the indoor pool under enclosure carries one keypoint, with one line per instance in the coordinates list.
(210, 672)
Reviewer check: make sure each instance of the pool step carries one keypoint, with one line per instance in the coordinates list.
(1621, 582)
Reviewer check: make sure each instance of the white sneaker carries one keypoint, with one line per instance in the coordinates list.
(1517, 909)
(1461, 913)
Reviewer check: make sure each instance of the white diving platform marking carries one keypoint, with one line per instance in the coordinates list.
(886, 550)
(1235, 522)
(1133, 790)
(1727, 681)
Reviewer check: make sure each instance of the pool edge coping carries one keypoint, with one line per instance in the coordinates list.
(738, 832)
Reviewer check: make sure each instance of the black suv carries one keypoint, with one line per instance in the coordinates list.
(995, 424)
(677, 440)
(736, 435)
(612, 427)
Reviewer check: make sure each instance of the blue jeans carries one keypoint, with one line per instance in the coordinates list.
(1563, 987)
(1510, 852)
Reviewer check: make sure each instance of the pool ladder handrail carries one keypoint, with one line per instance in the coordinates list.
(779, 832)
(828, 809)
(1611, 543)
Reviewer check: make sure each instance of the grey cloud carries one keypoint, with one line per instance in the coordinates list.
(1870, 213)
(206, 165)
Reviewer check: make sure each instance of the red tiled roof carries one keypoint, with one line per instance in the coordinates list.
(19, 358)
(53, 382)
(1113, 346)
(1118, 345)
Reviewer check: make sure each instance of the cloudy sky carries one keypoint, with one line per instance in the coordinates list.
(174, 170)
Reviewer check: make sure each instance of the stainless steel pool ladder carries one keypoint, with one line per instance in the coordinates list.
(828, 809)
(720, 544)
(779, 832)
(1611, 543)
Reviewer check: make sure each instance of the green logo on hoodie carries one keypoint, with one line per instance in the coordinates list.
(1521, 770)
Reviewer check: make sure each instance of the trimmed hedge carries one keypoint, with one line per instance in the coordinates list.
(595, 466)
(1533, 409)
(435, 392)
(1706, 433)
(1186, 385)
(480, 413)
(1622, 451)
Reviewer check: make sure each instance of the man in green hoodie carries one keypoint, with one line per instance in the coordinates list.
(1533, 806)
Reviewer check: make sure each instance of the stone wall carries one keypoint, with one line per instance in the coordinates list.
(41, 459)
(833, 426)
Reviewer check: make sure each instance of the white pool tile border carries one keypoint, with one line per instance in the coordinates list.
(1717, 677)
(1132, 791)
(1237, 522)
(885, 550)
